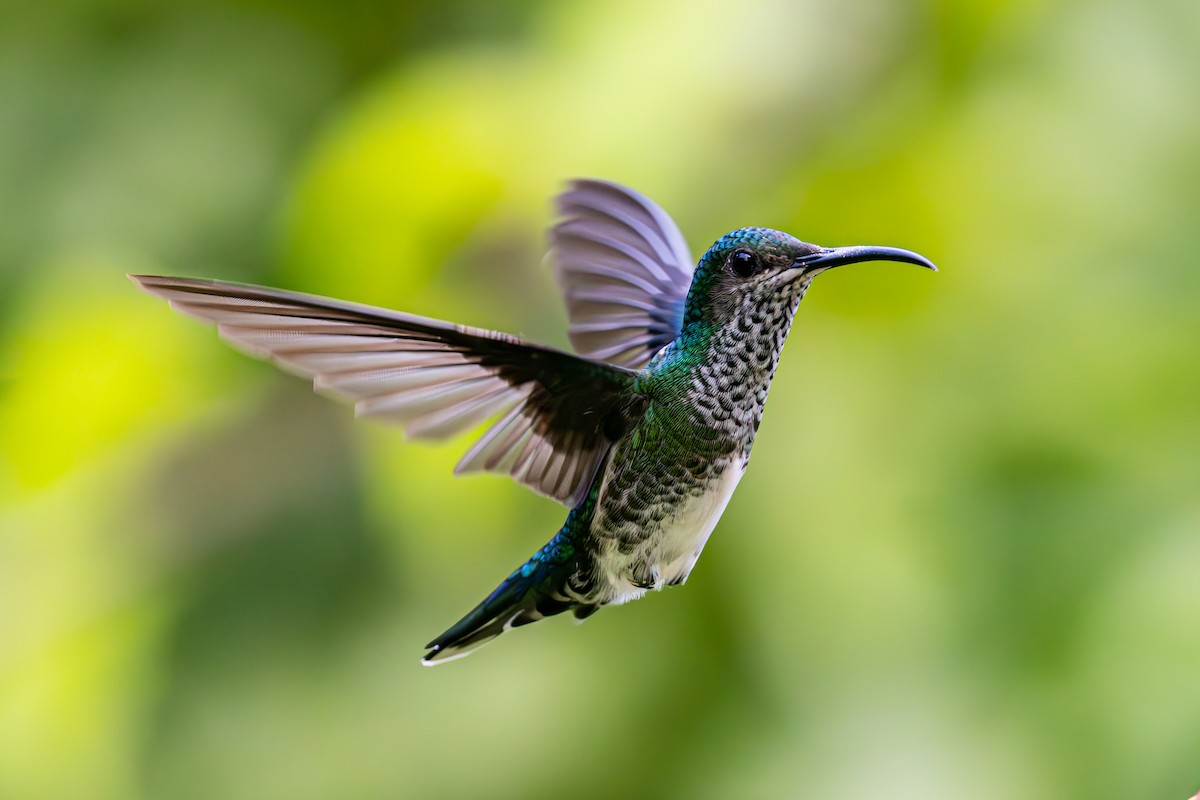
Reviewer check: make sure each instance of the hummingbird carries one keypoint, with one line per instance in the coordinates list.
(643, 433)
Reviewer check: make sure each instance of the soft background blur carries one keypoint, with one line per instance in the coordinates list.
(965, 562)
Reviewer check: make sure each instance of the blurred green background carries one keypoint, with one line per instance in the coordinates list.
(964, 563)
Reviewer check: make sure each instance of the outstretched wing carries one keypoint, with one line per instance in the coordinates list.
(433, 378)
(624, 271)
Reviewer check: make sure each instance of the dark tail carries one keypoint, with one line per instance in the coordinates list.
(542, 587)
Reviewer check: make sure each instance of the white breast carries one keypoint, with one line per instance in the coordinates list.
(675, 546)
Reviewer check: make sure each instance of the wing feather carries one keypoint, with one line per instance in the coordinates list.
(433, 378)
(624, 271)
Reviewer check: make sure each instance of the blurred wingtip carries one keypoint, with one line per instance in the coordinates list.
(148, 283)
(141, 277)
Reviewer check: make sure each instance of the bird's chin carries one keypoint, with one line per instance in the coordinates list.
(796, 276)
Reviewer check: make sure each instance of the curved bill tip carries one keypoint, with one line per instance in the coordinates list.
(830, 257)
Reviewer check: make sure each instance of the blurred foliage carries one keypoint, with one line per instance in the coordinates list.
(964, 562)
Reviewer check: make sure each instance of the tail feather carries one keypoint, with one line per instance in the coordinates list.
(537, 590)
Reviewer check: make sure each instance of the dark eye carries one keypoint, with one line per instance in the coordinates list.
(743, 263)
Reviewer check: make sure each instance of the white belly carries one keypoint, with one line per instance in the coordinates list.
(671, 550)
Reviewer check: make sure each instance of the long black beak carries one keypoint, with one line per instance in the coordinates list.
(830, 257)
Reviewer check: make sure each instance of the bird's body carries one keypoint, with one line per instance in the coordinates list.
(671, 476)
(646, 436)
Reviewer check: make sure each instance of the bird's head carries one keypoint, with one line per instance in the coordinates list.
(765, 267)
